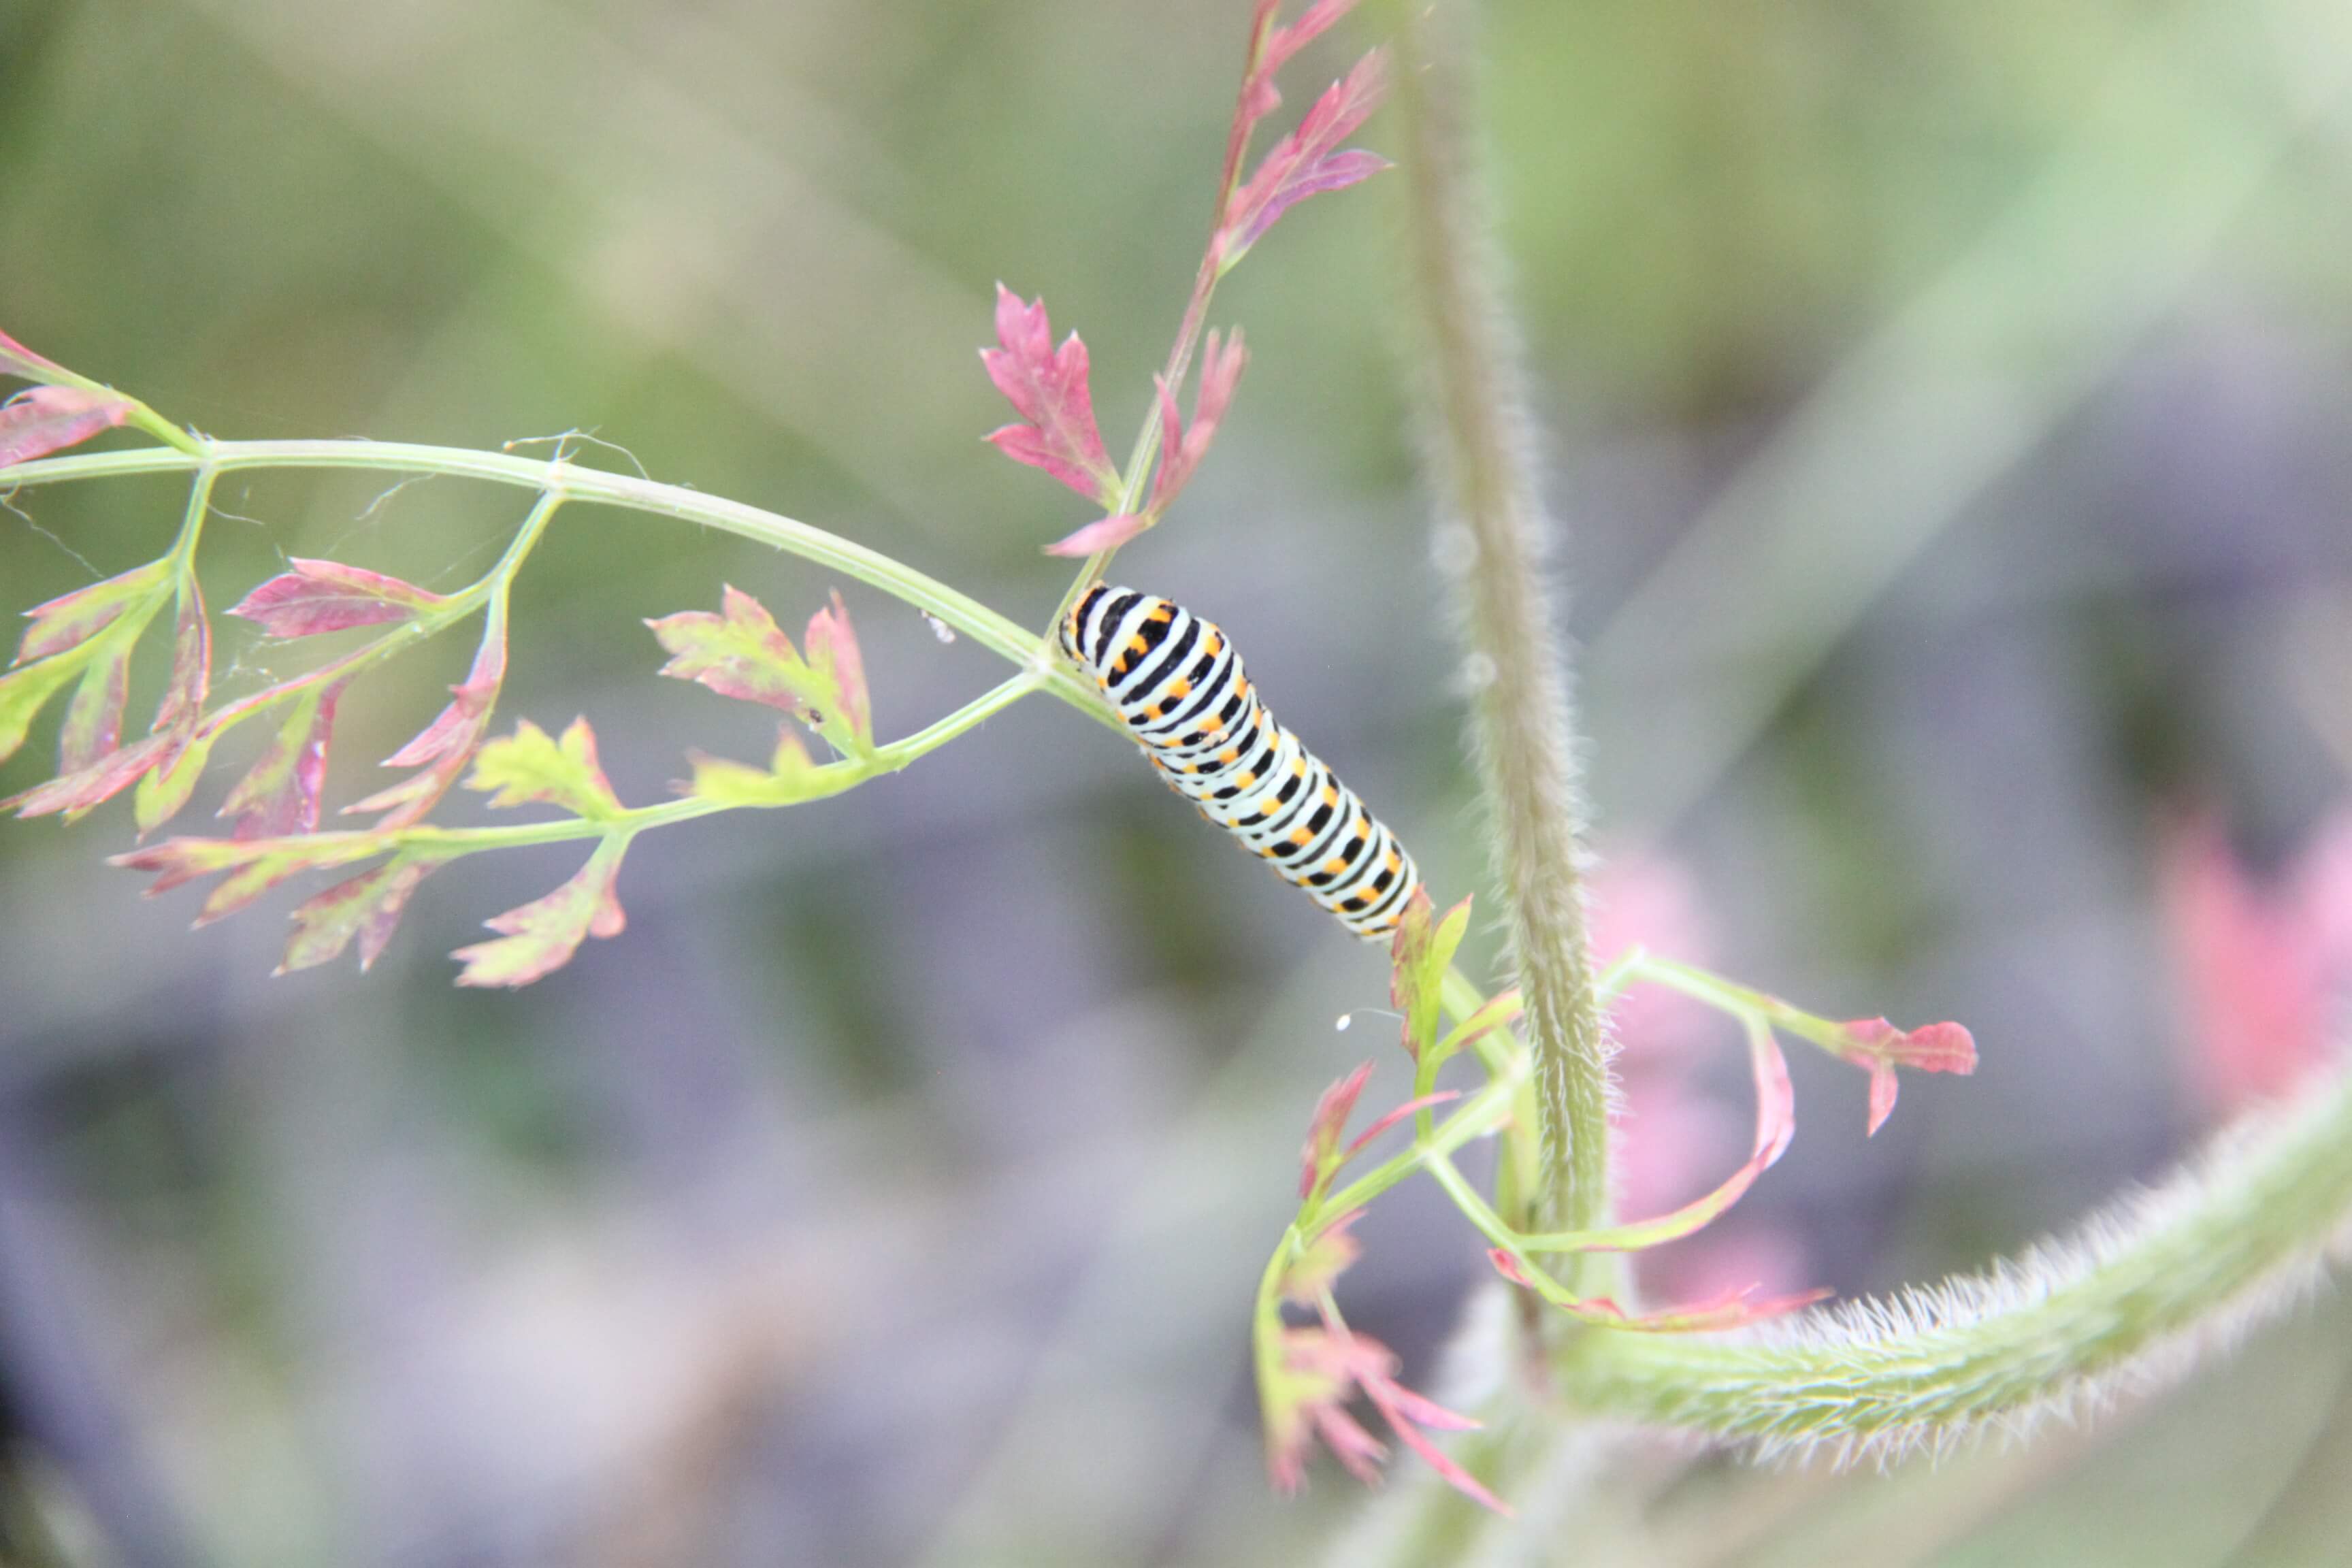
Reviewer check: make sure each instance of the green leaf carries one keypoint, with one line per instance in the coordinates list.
(789, 779)
(742, 652)
(531, 766)
(540, 937)
(163, 791)
(1420, 953)
(24, 692)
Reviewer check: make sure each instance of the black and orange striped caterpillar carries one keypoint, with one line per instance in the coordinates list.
(1179, 688)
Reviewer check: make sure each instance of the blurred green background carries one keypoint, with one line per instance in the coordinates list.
(1944, 406)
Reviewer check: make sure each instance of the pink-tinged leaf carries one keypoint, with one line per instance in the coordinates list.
(1405, 1419)
(739, 653)
(1183, 446)
(78, 793)
(833, 652)
(279, 793)
(1509, 1267)
(328, 596)
(24, 692)
(1324, 1129)
(1307, 162)
(1322, 1260)
(192, 674)
(71, 619)
(1495, 1013)
(1320, 1368)
(18, 361)
(442, 747)
(1880, 1048)
(1103, 533)
(1364, 1138)
(253, 865)
(540, 937)
(1730, 1310)
(164, 788)
(1047, 386)
(50, 418)
(367, 907)
(1776, 1123)
(530, 765)
(1312, 23)
(1735, 1310)
(1420, 953)
(93, 725)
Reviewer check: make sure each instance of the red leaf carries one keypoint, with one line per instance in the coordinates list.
(1319, 1369)
(1324, 1129)
(279, 794)
(367, 907)
(18, 361)
(1103, 533)
(1312, 23)
(1307, 162)
(192, 673)
(1183, 449)
(329, 596)
(254, 864)
(442, 747)
(87, 787)
(93, 725)
(1881, 1047)
(1398, 1114)
(1047, 386)
(71, 619)
(50, 418)
(540, 937)
(833, 652)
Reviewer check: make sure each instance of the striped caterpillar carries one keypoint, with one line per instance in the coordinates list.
(1179, 688)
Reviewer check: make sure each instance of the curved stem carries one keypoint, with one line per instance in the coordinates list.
(2228, 1240)
(993, 631)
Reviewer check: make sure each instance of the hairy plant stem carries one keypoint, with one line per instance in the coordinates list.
(2230, 1239)
(1474, 425)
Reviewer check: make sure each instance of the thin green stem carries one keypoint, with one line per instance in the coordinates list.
(835, 778)
(995, 632)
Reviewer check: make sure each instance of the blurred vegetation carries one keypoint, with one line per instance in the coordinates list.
(892, 1188)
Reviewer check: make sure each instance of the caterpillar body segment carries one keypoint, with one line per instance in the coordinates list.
(1179, 686)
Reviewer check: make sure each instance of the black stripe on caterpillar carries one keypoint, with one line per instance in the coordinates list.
(1179, 688)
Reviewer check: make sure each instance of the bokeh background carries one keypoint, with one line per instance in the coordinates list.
(1946, 404)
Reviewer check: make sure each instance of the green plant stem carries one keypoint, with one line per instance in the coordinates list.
(2227, 1241)
(1475, 425)
(993, 631)
(837, 777)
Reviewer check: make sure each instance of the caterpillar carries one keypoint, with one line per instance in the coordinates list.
(1177, 686)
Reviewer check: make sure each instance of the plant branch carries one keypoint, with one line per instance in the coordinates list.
(2131, 1297)
(997, 633)
(1473, 411)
